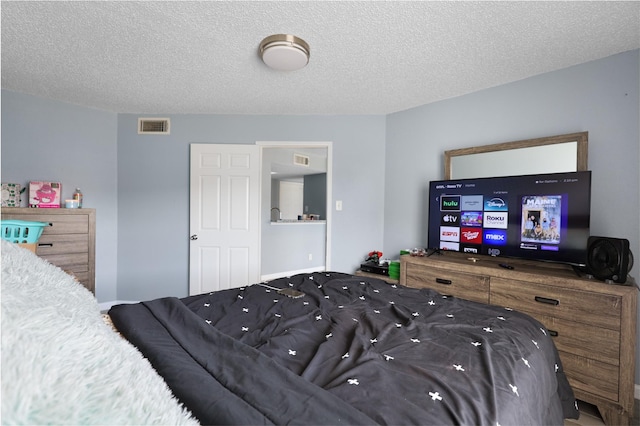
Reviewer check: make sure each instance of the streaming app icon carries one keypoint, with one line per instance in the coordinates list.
(449, 233)
(497, 220)
(450, 203)
(495, 204)
(495, 237)
(448, 245)
(471, 249)
(471, 236)
(492, 251)
(449, 219)
(471, 219)
(471, 202)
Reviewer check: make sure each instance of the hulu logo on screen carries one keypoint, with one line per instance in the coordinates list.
(450, 203)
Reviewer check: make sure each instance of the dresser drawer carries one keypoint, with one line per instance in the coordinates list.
(59, 223)
(74, 262)
(590, 376)
(81, 276)
(72, 224)
(594, 309)
(458, 284)
(597, 343)
(63, 243)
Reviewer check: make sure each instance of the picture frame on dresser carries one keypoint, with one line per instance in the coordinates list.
(68, 242)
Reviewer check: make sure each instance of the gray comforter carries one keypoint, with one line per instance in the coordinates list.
(353, 350)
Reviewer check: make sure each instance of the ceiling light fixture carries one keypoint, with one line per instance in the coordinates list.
(284, 52)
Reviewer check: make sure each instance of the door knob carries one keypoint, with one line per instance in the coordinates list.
(193, 237)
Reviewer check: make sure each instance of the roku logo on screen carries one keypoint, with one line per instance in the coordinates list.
(495, 220)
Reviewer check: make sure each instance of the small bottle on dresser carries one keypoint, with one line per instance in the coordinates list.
(77, 196)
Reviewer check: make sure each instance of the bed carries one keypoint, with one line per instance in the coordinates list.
(351, 350)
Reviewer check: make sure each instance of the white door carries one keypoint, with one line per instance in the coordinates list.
(224, 217)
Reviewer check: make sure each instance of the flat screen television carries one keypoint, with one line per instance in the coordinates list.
(542, 217)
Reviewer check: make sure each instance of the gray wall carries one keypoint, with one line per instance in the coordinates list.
(49, 140)
(286, 248)
(153, 182)
(315, 194)
(600, 97)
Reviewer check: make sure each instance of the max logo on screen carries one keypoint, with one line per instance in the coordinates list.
(495, 237)
(450, 203)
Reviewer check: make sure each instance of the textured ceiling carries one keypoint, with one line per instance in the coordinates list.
(367, 57)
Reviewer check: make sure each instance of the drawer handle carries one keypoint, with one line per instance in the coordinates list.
(45, 244)
(546, 300)
(553, 333)
(443, 281)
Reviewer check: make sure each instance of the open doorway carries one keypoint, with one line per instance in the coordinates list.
(295, 234)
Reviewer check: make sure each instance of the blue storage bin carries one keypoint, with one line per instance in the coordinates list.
(22, 231)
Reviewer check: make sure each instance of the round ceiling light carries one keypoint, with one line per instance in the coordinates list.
(284, 52)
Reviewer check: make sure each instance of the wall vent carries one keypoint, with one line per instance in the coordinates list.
(300, 160)
(153, 126)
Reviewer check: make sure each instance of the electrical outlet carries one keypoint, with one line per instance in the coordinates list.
(339, 205)
(310, 256)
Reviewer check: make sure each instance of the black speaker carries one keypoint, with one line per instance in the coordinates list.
(609, 258)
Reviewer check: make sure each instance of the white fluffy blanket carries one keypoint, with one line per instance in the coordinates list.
(61, 364)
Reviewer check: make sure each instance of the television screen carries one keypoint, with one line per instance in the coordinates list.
(542, 217)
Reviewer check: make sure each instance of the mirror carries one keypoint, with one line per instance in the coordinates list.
(298, 184)
(562, 153)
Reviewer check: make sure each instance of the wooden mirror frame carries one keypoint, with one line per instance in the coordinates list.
(580, 138)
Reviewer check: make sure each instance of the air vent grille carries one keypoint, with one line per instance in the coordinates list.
(300, 160)
(155, 126)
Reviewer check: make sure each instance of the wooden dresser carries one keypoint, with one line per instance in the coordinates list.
(68, 243)
(593, 323)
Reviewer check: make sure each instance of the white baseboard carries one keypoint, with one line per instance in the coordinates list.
(105, 306)
(271, 277)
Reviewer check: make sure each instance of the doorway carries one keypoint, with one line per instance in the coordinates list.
(295, 240)
(213, 267)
